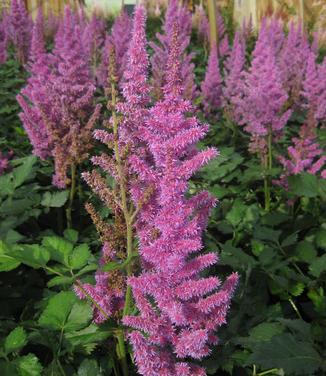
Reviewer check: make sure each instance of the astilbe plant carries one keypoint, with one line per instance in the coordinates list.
(19, 26)
(180, 15)
(211, 87)
(179, 310)
(4, 161)
(261, 106)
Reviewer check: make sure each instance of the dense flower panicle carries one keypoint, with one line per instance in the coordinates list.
(182, 17)
(275, 33)
(60, 95)
(263, 97)
(108, 292)
(292, 62)
(38, 43)
(135, 88)
(52, 24)
(247, 28)
(19, 26)
(179, 310)
(119, 39)
(93, 39)
(211, 87)
(3, 40)
(314, 87)
(233, 81)
(305, 155)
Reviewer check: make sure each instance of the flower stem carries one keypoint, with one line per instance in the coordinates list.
(122, 353)
(71, 196)
(268, 164)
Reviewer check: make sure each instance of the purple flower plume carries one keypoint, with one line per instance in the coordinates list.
(179, 310)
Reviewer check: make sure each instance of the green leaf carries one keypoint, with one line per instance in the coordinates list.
(266, 233)
(81, 254)
(31, 254)
(89, 367)
(65, 312)
(265, 331)
(55, 200)
(236, 214)
(79, 317)
(24, 171)
(304, 185)
(318, 266)
(71, 235)
(29, 365)
(320, 239)
(7, 262)
(60, 280)
(57, 310)
(88, 335)
(60, 249)
(16, 340)
(290, 240)
(305, 251)
(285, 351)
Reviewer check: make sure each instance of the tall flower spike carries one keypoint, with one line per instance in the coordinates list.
(38, 43)
(19, 29)
(179, 310)
(233, 81)
(211, 87)
(260, 107)
(181, 16)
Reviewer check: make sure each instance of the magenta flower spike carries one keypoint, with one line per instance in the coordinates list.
(181, 16)
(263, 97)
(38, 43)
(179, 310)
(19, 29)
(211, 87)
(233, 81)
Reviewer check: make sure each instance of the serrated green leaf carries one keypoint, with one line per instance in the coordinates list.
(55, 200)
(16, 340)
(59, 248)
(71, 235)
(29, 365)
(320, 239)
(89, 367)
(290, 240)
(305, 251)
(297, 289)
(304, 185)
(24, 171)
(81, 254)
(285, 351)
(31, 254)
(318, 266)
(80, 316)
(235, 215)
(266, 233)
(7, 262)
(60, 280)
(265, 331)
(57, 310)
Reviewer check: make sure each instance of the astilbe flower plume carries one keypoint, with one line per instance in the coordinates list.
(305, 155)
(3, 40)
(314, 90)
(233, 79)
(60, 93)
(179, 310)
(292, 62)
(211, 87)
(175, 14)
(19, 26)
(263, 98)
(119, 39)
(4, 161)
(38, 41)
(136, 97)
